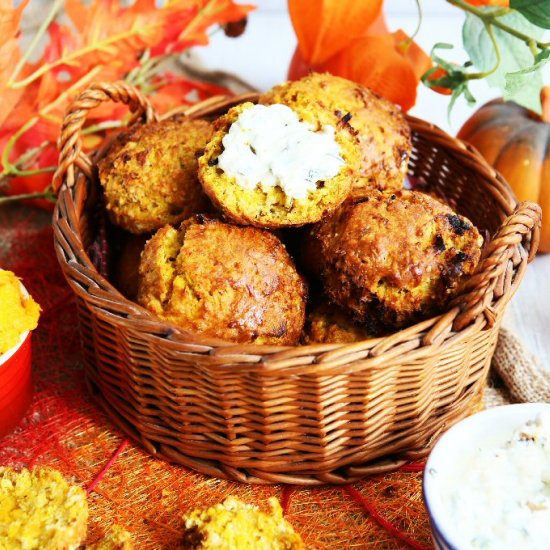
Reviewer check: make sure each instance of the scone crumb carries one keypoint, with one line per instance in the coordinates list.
(234, 524)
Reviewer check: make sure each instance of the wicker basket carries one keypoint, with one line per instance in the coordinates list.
(308, 415)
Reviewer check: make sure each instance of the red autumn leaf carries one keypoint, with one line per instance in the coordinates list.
(173, 91)
(36, 183)
(325, 28)
(61, 41)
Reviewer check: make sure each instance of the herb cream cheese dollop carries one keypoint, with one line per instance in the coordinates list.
(269, 146)
(500, 496)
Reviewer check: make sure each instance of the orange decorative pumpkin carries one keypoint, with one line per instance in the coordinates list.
(516, 142)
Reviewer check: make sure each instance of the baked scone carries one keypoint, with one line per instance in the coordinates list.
(380, 126)
(234, 525)
(40, 510)
(328, 323)
(150, 177)
(273, 166)
(394, 258)
(222, 280)
(116, 538)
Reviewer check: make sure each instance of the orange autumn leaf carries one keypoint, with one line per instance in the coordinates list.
(104, 42)
(110, 33)
(325, 28)
(358, 46)
(419, 61)
(208, 13)
(378, 26)
(10, 54)
(376, 62)
(438, 74)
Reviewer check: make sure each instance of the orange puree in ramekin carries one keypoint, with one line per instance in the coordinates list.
(18, 312)
(18, 316)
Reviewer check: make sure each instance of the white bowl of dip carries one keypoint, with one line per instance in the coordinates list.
(487, 481)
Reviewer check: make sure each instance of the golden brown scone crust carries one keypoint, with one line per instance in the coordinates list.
(383, 132)
(150, 174)
(394, 259)
(328, 323)
(222, 280)
(274, 209)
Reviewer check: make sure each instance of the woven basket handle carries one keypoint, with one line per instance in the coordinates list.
(70, 141)
(519, 233)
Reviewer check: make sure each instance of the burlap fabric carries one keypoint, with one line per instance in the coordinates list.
(65, 429)
(525, 380)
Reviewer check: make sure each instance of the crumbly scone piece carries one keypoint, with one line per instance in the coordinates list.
(149, 174)
(234, 525)
(116, 538)
(222, 280)
(394, 258)
(383, 132)
(272, 207)
(40, 510)
(328, 323)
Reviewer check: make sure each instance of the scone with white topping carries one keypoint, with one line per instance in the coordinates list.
(381, 128)
(270, 167)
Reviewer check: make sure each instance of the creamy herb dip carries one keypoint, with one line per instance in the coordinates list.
(499, 497)
(269, 146)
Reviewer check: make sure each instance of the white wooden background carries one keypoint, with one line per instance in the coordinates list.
(261, 57)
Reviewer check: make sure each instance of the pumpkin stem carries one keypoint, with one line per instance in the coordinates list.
(545, 102)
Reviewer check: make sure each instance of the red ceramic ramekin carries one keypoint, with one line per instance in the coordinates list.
(15, 384)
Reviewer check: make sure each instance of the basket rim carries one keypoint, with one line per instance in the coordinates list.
(166, 330)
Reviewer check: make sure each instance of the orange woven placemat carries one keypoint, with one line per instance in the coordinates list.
(66, 430)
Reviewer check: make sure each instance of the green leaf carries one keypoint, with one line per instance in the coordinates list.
(518, 84)
(540, 60)
(536, 11)
(439, 60)
(515, 55)
(454, 75)
(460, 90)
